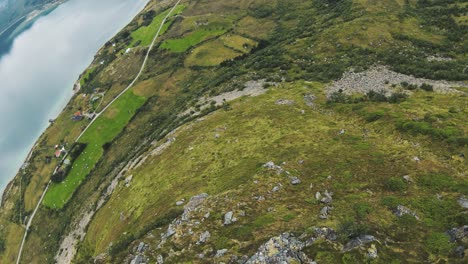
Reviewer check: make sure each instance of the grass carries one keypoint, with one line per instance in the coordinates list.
(85, 78)
(194, 38)
(238, 43)
(211, 53)
(102, 131)
(144, 35)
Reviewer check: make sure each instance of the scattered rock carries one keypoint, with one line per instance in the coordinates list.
(327, 199)
(459, 252)
(281, 249)
(295, 180)
(325, 211)
(309, 99)
(372, 252)
(326, 232)
(275, 189)
(229, 218)
(271, 166)
(243, 259)
(181, 202)
(284, 102)
(402, 210)
(141, 247)
(217, 135)
(463, 202)
(318, 196)
(357, 242)
(170, 231)
(138, 260)
(204, 237)
(220, 253)
(194, 202)
(128, 180)
(458, 233)
(417, 159)
(160, 259)
(207, 215)
(407, 178)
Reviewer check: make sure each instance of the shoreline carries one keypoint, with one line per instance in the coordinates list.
(55, 111)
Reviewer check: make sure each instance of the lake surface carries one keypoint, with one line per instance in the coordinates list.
(41, 64)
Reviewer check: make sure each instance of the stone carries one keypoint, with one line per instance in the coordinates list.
(138, 260)
(416, 159)
(324, 212)
(220, 253)
(459, 252)
(458, 233)
(463, 202)
(327, 199)
(160, 259)
(309, 99)
(181, 202)
(284, 102)
(372, 252)
(275, 189)
(194, 203)
(243, 259)
(407, 178)
(228, 218)
(318, 196)
(170, 231)
(207, 215)
(326, 232)
(272, 166)
(402, 210)
(141, 247)
(217, 135)
(357, 242)
(285, 248)
(204, 237)
(295, 180)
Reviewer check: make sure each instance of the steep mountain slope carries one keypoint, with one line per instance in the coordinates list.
(260, 131)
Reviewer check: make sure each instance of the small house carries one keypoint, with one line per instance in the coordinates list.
(77, 116)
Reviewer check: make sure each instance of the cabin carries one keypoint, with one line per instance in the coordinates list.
(78, 116)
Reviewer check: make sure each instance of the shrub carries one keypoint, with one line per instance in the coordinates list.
(362, 209)
(436, 182)
(374, 116)
(395, 184)
(351, 229)
(438, 244)
(2, 244)
(427, 87)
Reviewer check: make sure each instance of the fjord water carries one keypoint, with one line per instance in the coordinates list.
(38, 71)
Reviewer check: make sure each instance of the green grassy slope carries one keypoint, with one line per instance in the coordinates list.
(301, 46)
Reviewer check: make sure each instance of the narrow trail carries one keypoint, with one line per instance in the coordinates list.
(142, 68)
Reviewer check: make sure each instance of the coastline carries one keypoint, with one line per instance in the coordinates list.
(55, 111)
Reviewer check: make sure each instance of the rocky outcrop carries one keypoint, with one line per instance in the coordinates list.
(403, 210)
(358, 242)
(285, 248)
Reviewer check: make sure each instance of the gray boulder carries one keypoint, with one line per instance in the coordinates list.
(403, 210)
(204, 237)
(458, 233)
(229, 218)
(463, 202)
(358, 242)
(285, 248)
(220, 253)
(295, 180)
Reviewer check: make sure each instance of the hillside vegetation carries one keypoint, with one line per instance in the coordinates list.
(332, 131)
